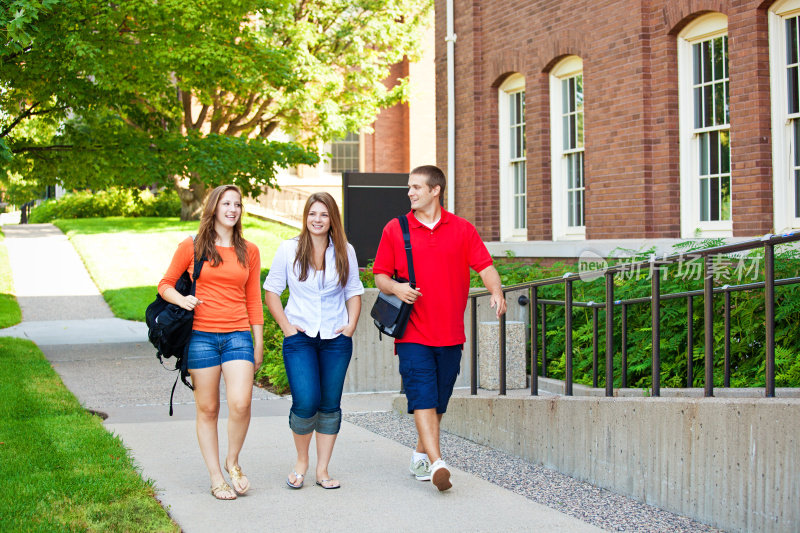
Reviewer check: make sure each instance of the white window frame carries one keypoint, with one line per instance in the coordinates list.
(566, 68)
(328, 161)
(783, 149)
(704, 28)
(512, 85)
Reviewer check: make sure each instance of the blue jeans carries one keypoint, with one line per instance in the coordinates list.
(316, 369)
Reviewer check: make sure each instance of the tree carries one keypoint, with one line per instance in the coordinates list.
(188, 93)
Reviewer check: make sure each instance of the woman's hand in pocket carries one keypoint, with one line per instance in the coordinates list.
(292, 330)
(346, 330)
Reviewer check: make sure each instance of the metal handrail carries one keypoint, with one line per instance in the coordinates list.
(768, 243)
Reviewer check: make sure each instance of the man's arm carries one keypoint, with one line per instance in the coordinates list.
(402, 290)
(491, 280)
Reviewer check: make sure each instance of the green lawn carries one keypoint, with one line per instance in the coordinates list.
(61, 469)
(127, 257)
(10, 313)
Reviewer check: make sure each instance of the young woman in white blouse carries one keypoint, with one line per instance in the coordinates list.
(321, 270)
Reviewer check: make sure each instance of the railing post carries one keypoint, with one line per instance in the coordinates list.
(708, 319)
(533, 297)
(595, 342)
(544, 341)
(568, 334)
(624, 342)
(503, 354)
(473, 379)
(689, 341)
(610, 333)
(655, 304)
(769, 304)
(727, 378)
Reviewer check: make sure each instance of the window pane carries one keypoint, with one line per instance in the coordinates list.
(698, 107)
(727, 104)
(565, 132)
(579, 93)
(708, 99)
(719, 57)
(713, 196)
(564, 97)
(697, 61)
(572, 132)
(725, 151)
(704, 199)
(796, 128)
(792, 89)
(791, 41)
(572, 94)
(707, 74)
(580, 171)
(719, 104)
(725, 198)
(797, 193)
(725, 50)
(703, 138)
(713, 158)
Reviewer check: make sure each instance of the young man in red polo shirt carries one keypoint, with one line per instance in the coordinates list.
(444, 248)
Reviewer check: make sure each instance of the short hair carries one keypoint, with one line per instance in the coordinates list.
(433, 177)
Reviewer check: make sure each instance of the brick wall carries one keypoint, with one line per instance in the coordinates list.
(386, 150)
(629, 53)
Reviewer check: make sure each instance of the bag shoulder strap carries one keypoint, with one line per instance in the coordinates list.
(198, 266)
(407, 241)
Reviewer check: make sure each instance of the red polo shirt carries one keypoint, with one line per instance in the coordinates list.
(442, 259)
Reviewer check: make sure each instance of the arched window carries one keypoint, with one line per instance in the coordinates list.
(705, 127)
(567, 147)
(784, 59)
(513, 171)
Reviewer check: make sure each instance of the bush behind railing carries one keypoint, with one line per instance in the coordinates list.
(748, 333)
(107, 203)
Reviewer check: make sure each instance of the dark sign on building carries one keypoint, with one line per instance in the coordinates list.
(369, 201)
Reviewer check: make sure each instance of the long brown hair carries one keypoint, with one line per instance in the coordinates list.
(305, 247)
(207, 234)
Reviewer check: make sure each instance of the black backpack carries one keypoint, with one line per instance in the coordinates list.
(169, 327)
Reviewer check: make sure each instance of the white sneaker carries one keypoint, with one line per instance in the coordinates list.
(440, 475)
(420, 469)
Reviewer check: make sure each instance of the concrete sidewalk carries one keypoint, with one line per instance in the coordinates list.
(108, 364)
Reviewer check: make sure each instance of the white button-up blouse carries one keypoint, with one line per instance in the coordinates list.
(316, 304)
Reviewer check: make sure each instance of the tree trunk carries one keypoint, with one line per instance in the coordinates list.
(192, 199)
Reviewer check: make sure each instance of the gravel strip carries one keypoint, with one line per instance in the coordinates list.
(596, 506)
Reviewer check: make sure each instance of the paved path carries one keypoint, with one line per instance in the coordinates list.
(108, 364)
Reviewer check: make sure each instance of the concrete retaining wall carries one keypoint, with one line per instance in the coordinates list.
(731, 463)
(374, 365)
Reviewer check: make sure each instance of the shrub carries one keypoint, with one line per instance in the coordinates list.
(111, 202)
(272, 372)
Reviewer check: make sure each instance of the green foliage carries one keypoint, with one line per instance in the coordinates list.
(99, 94)
(108, 203)
(748, 335)
(61, 470)
(272, 372)
(10, 313)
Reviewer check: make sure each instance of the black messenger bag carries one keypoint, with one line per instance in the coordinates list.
(390, 314)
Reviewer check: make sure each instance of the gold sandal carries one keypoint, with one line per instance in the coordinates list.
(222, 487)
(236, 476)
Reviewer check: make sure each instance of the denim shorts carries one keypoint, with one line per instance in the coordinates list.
(208, 349)
(429, 374)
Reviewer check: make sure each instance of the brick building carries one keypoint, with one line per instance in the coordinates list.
(589, 122)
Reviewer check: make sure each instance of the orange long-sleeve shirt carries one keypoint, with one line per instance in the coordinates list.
(230, 293)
